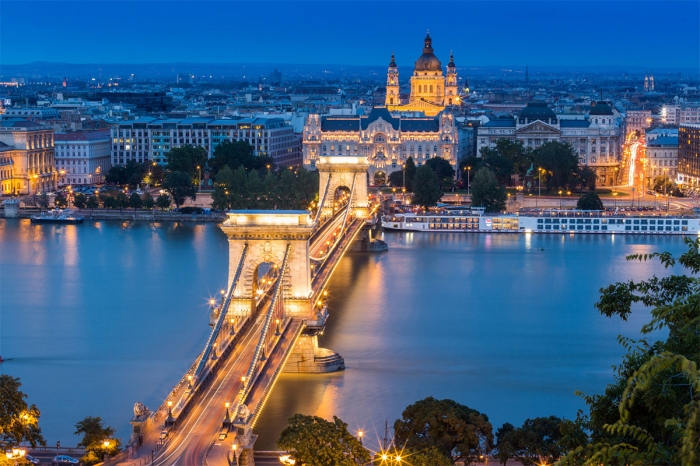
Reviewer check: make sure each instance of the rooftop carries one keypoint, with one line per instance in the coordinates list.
(665, 141)
(82, 136)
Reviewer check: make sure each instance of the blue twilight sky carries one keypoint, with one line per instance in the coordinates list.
(643, 33)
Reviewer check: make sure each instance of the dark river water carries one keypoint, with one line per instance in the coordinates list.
(99, 316)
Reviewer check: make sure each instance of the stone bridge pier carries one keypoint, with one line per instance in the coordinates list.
(265, 235)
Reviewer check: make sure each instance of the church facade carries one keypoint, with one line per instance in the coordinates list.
(431, 90)
(386, 141)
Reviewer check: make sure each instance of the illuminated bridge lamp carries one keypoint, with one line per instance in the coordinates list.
(189, 382)
(233, 327)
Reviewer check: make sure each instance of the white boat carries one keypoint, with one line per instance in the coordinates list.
(554, 221)
(57, 216)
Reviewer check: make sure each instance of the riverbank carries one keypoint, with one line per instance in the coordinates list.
(130, 215)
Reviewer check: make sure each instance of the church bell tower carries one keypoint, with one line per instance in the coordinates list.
(392, 84)
(451, 90)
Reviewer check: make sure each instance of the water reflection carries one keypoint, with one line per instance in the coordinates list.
(104, 314)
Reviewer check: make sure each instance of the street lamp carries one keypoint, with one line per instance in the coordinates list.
(227, 417)
(170, 419)
(560, 199)
(359, 435)
(615, 199)
(234, 447)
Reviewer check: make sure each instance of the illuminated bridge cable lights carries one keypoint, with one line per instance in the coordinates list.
(221, 319)
(322, 202)
(326, 252)
(276, 311)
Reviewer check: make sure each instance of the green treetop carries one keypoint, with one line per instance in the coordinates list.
(19, 422)
(426, 187)
(486, 192)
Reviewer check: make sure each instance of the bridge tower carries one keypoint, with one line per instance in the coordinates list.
(343, 174)
(263, 236)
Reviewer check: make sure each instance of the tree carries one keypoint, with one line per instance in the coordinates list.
(79, 200)
(504, 444)
(92, 203)
(43, 201)
(224, 189)
(444, 171)
(135, 201)
(19, 422)
(94, 437)
(121, 201)
(148, 201)
(426, 187)
(536, 442)
(486, 192)
(650, 414)
(236, 154)
(108, 202)
(557, 163)
(664, 185)
(457, 431)
(186, 159)
(430, 457)
(180, 186)
(409, 169)
(396, 178)
(587, 178)
(60, 201)
(163, 201)
(589, 201)
(314, 441)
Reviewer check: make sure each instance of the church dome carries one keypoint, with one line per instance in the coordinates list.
(428, 61)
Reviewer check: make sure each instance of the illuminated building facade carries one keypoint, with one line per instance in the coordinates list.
(661, 158)
(150, 139)
(386, 141)
(26, 157)
(82, 157)
(596, 137)
(431, 90)
(637, 120)
(689, 154)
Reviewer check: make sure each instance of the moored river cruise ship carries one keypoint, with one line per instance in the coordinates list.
(555, 221)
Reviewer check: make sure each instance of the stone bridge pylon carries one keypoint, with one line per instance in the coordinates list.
(343, 174)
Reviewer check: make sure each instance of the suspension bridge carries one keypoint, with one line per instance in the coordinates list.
(267, 322)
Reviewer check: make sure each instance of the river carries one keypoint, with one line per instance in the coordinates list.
(98, 316)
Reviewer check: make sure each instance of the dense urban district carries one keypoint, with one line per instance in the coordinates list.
(501, 140)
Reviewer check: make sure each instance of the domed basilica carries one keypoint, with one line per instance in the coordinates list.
(431, 90)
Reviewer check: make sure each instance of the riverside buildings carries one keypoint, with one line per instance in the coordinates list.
(150, 139)
(689, 154)
(386, 137)
(26, 157)
(596, 136)
(82, 157)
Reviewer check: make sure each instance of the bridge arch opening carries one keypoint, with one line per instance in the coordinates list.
(341, 197)
(263, 277)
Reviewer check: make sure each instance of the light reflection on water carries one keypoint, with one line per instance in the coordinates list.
(102, 315)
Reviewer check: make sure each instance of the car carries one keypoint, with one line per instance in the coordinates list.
(64, 460)
(32, 460)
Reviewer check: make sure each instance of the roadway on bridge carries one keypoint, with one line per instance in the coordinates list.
(193, 437)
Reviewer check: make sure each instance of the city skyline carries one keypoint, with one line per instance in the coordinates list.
(649, 35)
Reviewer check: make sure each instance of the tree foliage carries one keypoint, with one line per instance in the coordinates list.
(92, 202)
(486, 192)
(235, 154)
(537, 441)
(94, 434)
(250, 189)
(180, 187)
(457, 431)
(148, 201)
(108, 202)
(43, 201)
(426, 187)
(121, 201)
(314, 441)
(132, 173)
(186, 159)
(60, 201)
(79, 200)
(590, 201)
(558, 164)
(650, 414)
(444, 171)
(163, 201)
(410, 169)
(135, 201)
(19, 422)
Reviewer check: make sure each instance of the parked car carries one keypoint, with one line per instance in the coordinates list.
(31, 459)
(64, 460)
